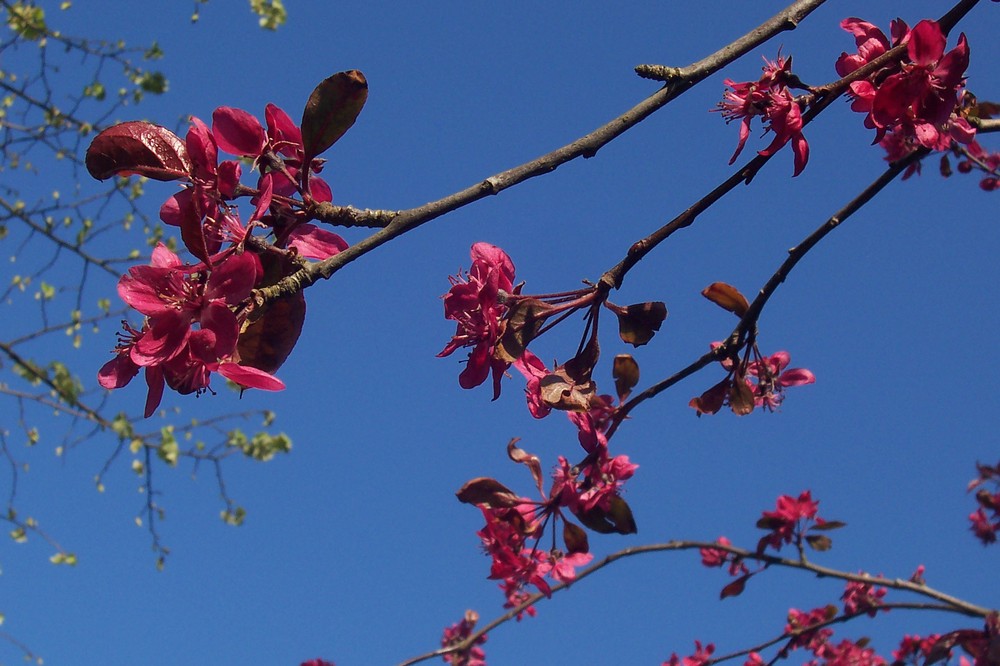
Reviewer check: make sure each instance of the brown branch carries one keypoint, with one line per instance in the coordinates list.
(586, 147)
(738, 337)
(947, 603)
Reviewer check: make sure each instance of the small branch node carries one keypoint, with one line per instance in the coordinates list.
(658, 72)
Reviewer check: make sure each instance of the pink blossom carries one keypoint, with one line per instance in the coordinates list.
(770, 98)
(534, 371)
(701, 656)
(786, 521)
(773, 378)
(460, 632)
(862, 597)
(174, 299)
(915, 100)
(785, 118)
(800, 621)
(564, 566)
(849, 653)
(474, 302)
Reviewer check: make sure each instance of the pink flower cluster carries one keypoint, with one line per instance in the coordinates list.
(860, 597)
(174, 298)
(770, 98)
(751, 384)
(194, 315)
(474, 303)
(986, 518)
(459, 633)
(913, 103)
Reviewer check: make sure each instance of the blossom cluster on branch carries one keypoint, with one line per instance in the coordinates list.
(209, 317)
(200, 319)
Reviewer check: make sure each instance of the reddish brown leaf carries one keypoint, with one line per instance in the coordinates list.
(727, 297)
(626, 374)
(819, 542)
(332, 108)
(270, 334)
(521, 326)
(828, 525)
(735, 588)
(621, 515)
(575, 538)
(741, 398)
(270, 337)
(141, 148)
(559, 391)
(581, 367)
(521, 456)
(489, 492)
(638, 323)
(711, 401)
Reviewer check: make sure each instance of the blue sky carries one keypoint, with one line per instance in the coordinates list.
(354, 548)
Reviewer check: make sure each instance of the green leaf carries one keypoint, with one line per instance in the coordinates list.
(332, 108)
(271, 12)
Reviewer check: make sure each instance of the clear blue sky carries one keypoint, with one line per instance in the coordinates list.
(354, 548)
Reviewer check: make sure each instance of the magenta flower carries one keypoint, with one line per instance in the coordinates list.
(474, 302)
(770, 98)
(701, 656)
(785, 118)
(458, 633)
(239, 133)
(773, 378)
(534, 371)
(174, 298)
(922, 97)
(786, 521)
(871, 43)
(862, 598)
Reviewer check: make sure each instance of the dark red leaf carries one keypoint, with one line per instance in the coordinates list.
(140, 148)
(521, 326)
(272, 331)
(727, 297)
(332, 108)
(487, 491)
(735, 588)
(638, 323)
(626, 374)
(575, 538)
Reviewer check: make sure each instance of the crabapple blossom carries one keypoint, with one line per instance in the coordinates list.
(474, 302)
